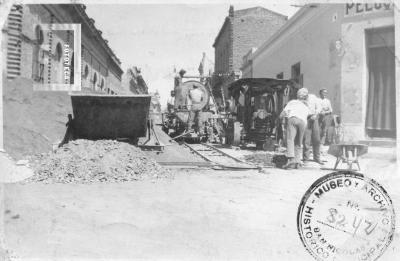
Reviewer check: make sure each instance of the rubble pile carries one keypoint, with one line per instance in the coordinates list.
(264, 158)
(85, 161)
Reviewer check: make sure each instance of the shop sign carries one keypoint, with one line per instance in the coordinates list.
(358, 9)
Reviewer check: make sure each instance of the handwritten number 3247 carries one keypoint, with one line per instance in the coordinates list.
(339, 220)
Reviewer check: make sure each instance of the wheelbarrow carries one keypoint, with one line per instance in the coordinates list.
(347, 153)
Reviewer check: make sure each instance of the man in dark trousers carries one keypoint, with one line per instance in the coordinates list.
(312, 131)
(325, 117)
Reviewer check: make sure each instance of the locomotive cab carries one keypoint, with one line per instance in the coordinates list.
(259, 103)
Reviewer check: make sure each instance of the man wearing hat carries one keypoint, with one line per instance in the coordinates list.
(296, 112)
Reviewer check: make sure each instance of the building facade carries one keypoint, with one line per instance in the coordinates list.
(29, 47)
(348, 49)
(133, 81)
(242, 30)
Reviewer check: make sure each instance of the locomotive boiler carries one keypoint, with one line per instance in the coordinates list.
(179, 121)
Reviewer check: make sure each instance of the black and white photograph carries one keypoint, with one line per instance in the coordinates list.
(199, 130)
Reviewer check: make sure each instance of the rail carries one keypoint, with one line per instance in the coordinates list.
(219, 158)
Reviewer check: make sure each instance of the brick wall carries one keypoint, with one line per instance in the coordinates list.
(223, 49)
(252, 29)
(244, 30)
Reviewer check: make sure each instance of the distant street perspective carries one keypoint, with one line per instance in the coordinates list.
(208, 132)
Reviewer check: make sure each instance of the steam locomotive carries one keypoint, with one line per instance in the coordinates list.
(254, 118)
(179, 121)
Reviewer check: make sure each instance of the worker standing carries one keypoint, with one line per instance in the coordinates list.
(196, 98)
(296, 112)
(179, 77)
(325, 116)
(312, 132)
(171, 102)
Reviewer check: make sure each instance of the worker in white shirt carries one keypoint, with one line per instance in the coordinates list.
(325, 117)
(196, 98)
(171, 102)
(296, 112)
(312, 132)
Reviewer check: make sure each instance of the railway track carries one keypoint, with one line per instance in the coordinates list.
(219, 158)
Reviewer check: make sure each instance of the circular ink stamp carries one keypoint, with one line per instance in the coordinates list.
(346, 216)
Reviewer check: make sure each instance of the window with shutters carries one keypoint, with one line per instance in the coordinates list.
(38, 56)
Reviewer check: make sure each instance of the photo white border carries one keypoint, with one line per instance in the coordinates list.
(76, 28)
(5, 7)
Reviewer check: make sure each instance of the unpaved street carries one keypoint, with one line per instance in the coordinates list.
(198, 214)
(223, 130)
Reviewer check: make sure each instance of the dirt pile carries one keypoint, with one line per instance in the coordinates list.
(263, 158)
(85, 161)
(33, 120)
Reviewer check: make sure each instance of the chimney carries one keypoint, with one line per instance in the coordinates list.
(231, 11)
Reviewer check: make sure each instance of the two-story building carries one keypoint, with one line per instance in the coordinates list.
(29, 47)
(241, 30)
(38, 40)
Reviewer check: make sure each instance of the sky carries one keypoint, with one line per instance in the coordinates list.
(160, 37)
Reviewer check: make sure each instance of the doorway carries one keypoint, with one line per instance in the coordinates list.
(381, 103)
(297, 76)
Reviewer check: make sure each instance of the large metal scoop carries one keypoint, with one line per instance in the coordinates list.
(98, 116)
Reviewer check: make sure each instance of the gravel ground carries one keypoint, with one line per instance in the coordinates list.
(198, 215)
(85, 161)
(263, 159)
